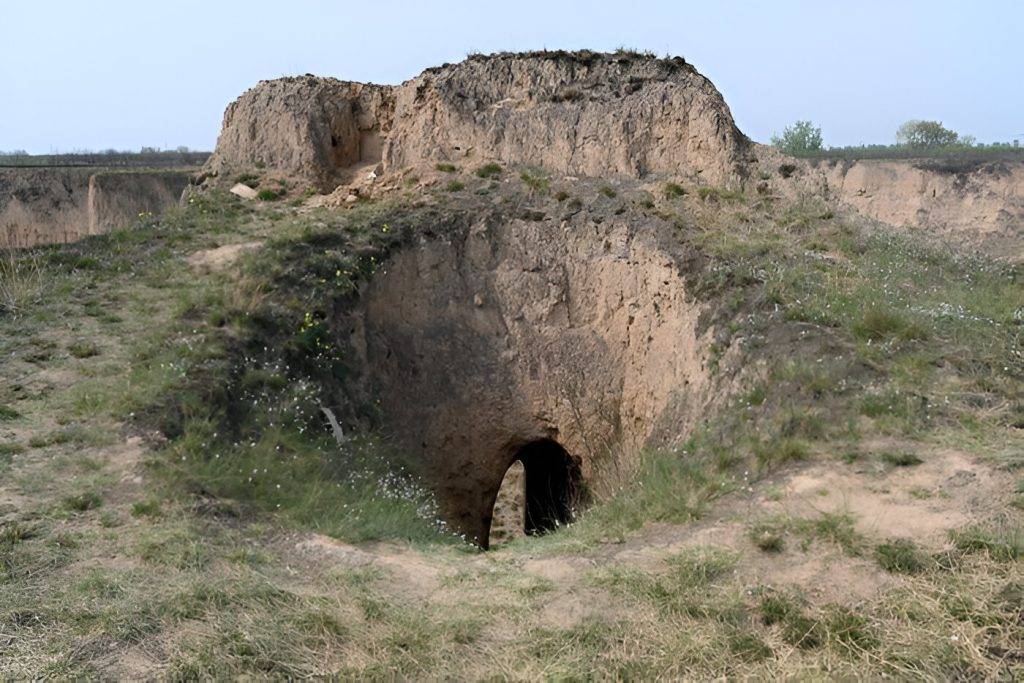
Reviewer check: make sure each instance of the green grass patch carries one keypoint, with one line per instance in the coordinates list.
(667, 487)
(688, 585)
(352, 492)
(146, 508)
(9, 448)
(900, 556)
(720, 194)
(181, 548)
(250, 179)
(673, 191)
(777, 452)
(83, 349)
(490, 170)
(1002, 541)
(83, 502)
(882, 325)
(833, 527)
(900, 458)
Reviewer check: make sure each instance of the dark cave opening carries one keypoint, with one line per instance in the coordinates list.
(551, 486)
(542, 489)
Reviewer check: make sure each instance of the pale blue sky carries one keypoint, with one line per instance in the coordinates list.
(127, 73)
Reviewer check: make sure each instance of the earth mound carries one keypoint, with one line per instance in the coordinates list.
(578, 113)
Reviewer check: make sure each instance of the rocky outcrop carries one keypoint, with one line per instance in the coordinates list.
(54, 205)
(581, 113)
(984, 203)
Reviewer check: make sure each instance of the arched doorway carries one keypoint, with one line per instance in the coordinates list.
(541, 491)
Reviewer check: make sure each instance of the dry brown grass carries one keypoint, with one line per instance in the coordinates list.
(21, 282)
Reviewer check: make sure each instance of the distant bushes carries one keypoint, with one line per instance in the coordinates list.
(801, 138)
(954, 159)
(929, 134)
(947, 150)
(147, 158)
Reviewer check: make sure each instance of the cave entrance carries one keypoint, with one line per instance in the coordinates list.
(540, 492)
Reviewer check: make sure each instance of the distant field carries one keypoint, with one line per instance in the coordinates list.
(167, 159)
(960, 154)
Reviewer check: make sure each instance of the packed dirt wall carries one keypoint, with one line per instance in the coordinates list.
(979, 203)
(55, 205)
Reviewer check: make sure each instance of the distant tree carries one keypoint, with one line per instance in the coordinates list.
(182, 150)
(926, 134)
(801, 137)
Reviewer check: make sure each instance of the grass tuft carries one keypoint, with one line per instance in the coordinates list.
(900, 458)
(900, 556)
(674, 191)
(491, 170)
(536, 180)
(82, 502)
(21, 282)
(1002, 541)
(885, 325)
(767, 537)
(83, 349)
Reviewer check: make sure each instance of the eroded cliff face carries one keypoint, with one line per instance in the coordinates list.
(981, 205)
(584, 113)
(55, 205)
(308, 128)
(579, 331)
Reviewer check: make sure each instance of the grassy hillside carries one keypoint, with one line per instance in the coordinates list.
(172, 502)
